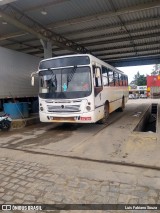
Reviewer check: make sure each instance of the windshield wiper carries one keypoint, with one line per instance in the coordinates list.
(71, 74)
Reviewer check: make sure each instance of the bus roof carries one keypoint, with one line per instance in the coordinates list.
(93, 58)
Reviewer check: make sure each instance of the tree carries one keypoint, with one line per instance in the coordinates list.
(139, 80)
(156, 69)
(136, 77)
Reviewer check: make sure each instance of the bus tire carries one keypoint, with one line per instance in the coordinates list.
(121, 109)
(106, 114)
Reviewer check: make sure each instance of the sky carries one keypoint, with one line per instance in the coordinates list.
(132, 71)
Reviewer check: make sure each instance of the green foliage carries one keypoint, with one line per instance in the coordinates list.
(156, 69)
(139, 80)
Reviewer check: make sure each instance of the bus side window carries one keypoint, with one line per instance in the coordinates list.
(105, 76)
(111, 78)
(116, 79)
(120, 80)
(124, 80)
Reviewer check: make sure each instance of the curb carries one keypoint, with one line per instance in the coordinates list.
(20, 123)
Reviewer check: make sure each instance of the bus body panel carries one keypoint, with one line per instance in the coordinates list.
(75, 110)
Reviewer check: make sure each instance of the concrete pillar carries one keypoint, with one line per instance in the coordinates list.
(47, 46)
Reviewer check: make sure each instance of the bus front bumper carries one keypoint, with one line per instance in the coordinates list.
(72, 118)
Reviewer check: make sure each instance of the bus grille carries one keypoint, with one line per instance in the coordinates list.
(63, 108)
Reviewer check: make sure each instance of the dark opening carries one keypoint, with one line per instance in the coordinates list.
(148, 123)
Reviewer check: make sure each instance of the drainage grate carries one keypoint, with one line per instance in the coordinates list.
(148, 123)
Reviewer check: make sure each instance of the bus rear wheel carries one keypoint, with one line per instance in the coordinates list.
(106, 114)
(123, 105)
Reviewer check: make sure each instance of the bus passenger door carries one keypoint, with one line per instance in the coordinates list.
(98, 87)
(97, 81)
(98, 96)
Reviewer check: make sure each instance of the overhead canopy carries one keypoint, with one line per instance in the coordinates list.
(124, 32)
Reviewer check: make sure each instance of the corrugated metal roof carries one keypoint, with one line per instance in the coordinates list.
(117, 28)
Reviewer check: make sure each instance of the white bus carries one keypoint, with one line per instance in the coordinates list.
(79, 88)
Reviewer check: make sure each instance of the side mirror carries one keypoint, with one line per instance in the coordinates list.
(32, 77)
(32, 80)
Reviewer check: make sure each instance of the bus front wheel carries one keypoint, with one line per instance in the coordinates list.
(106, 115)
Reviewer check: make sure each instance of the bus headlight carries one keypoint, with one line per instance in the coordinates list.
(88, 108)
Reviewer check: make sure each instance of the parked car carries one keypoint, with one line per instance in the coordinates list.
(143, 96)
(131, 96)
(136, 96)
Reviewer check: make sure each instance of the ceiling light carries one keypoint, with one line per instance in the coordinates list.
(43, 12)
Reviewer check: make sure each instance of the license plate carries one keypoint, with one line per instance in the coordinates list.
(85, 118)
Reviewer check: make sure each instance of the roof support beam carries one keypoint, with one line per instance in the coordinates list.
(147, 60)
(109, 41)
(118, 48)
(40, 31)
(12, 35)
(110, 27)
(118, 34)
(131, 56)
(22, 26)
(120, 40)
(120, 51)
(95, 29)
(127, 51)
(89, 38)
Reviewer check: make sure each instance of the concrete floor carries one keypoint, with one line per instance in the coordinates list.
(116, 142)
(89, 153)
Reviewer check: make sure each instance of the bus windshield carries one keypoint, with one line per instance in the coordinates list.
(73, 82)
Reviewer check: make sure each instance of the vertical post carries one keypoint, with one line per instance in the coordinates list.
(47, 46)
